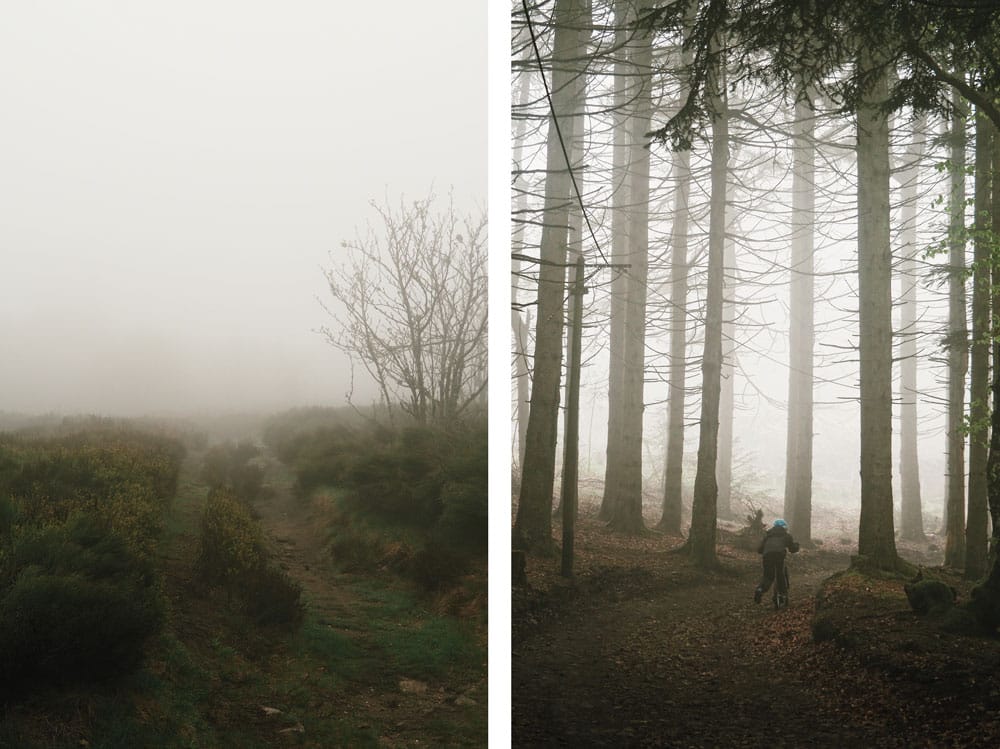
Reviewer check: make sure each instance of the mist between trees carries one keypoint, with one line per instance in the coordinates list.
(781, 208)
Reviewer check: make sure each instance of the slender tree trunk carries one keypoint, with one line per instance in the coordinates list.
(876, 537)
(976, 524)
(703, 509)
(724, 467)
(576, 223)
(958, 348)
(533, 524)
(986, 595)
(519, 326)
(911, 516)
(993, 462)
(571, 459)
(627, 508)
(801, 336)
(523, 376)
(620, 201)
(670, 521)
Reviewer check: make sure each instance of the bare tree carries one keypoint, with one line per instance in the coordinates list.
(411, 308)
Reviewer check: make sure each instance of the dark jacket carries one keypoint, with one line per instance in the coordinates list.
(777, 540)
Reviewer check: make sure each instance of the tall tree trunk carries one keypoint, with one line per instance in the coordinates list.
(876, 537)
(701, 542)
(911, 515)
(522, 374)
(986, 595)
(576, 222)
(958, 347)
(519, 326)
(993, 462)
(620, 201)
(627, 508)
(801, 336)
(979, 387)
(670, 521)
(533, 524)
(724, 467)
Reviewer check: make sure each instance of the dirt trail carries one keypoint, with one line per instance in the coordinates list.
(670, 657)
(406, 711)
(299, 549)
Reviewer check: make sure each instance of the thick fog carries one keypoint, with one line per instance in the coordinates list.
(175, 175)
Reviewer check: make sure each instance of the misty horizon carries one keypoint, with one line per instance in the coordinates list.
(176, 180)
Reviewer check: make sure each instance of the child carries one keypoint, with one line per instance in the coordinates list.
(774, 545)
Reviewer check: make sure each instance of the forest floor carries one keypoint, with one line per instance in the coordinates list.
(642, 649)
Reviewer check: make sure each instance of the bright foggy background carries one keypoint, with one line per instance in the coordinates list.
(175, 176)
(760, 228)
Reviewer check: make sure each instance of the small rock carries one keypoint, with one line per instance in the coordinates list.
(297, 728)
(464, 701)
(412, 686)
(270, 710)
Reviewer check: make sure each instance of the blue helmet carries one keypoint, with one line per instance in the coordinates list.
(779, 523)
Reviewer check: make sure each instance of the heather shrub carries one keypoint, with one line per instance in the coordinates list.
(271, 597)
(231, 541)
(124, 479)
(232, 556)
(76, 603)
(436, 566)
(231, 465)
(422, 485)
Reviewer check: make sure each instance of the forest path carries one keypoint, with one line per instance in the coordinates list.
(364, 623)
(660, 654)
(299, 547)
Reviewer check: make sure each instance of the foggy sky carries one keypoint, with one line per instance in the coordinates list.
(174, 176)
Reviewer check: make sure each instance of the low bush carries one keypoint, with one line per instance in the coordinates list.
(271, 598)
(123, 478)
(231, 541)
(232, 555)
(325, 457)
(231, 465)
(427, 484)
(436, 566)
(76, 603)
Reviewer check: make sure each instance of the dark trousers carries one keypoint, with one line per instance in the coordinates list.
(774, 569)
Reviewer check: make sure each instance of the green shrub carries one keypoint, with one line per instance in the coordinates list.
(425, 484)
(355, 549)
(232, 555)
(124, 478)
(464, 519)
(231, 541)
(76, 603)
(230, 465)
(437, 566)
(326, 456)
(271, 597)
